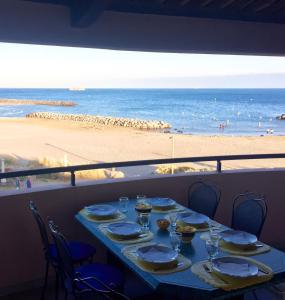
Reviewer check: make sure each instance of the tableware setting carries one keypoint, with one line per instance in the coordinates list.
(234, 267)
(101, 210)
(162, 204)
(197, 220)
(241, 243)
(156, 258)
(125, 232)
(232, 272)
(240, 239)
(102, 213)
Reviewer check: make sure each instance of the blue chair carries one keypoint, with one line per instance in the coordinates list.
(93, 279)
(249, 213)
(204, 198)
(80, 252)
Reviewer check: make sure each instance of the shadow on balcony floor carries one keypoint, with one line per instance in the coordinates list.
(33, 295)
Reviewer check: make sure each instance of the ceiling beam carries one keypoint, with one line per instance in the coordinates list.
(246, 4)
(85, 13)
(266, 5)
(227, 3)
(184, 2)
(206, 3)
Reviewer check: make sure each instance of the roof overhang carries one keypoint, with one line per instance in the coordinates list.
(62, 24)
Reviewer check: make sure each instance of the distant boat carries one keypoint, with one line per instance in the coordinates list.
(76, 89)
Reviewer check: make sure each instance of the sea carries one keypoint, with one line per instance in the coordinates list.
(190, 111)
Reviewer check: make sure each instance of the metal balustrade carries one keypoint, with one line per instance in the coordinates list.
(73, 169)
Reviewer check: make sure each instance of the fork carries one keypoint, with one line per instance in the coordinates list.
(208, 270)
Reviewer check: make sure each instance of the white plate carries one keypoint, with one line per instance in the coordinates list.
(240, 238)
(234, 267)
(193, 218)
(157, 254)
(101, 210)
(162, 203)
(124, 229)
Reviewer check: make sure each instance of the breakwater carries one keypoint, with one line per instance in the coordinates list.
(100, 120)
(36, 102)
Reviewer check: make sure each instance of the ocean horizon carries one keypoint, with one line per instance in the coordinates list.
(190, 111)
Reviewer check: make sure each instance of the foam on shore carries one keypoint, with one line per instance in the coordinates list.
(36, 102)
(100, 120)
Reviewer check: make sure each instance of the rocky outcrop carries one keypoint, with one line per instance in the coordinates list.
(281, 117)
(99, 120)
(36, 102)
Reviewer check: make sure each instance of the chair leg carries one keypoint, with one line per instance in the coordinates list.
(56, 285)
(91, 259)
(65, 294)
(45, 282)
(255, 295)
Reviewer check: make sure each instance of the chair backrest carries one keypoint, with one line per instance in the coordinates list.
(72, 280)
(65, 262)
(42, 228)
(249, 213)
(204, 198)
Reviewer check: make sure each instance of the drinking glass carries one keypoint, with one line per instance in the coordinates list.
(214, 227)
(141, 199)
(212, 247)
(123, 204)
(173, 220)
(175, 240)
(215, 232)
(144, 221)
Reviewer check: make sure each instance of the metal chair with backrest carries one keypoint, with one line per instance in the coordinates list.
(80, 252)
(96, 280)
(204, 198)
(249, 213)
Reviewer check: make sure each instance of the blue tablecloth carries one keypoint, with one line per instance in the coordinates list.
(185, 283)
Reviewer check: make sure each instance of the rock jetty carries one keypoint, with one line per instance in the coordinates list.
(281, 117)
(36, 102)
(99, 120)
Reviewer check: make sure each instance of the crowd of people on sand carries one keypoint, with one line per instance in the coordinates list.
(223, 125)
(269, 131)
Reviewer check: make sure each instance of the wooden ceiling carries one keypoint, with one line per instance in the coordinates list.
(86, 12)
(247, 27)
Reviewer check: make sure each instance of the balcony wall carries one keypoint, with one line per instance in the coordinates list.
(21, 257)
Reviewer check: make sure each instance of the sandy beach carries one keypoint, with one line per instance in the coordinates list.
(33, 140)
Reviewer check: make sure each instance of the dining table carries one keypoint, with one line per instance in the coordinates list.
(183, 284)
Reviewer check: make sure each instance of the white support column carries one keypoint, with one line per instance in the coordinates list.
(172, 154)
(3, 180)
(65, 160)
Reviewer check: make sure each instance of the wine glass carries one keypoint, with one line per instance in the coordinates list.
(173, 220)
(212, 247)
(175, 240)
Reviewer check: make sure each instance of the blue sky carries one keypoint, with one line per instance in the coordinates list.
(35, 66)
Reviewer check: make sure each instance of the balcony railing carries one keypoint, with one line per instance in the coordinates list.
(73, 169)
